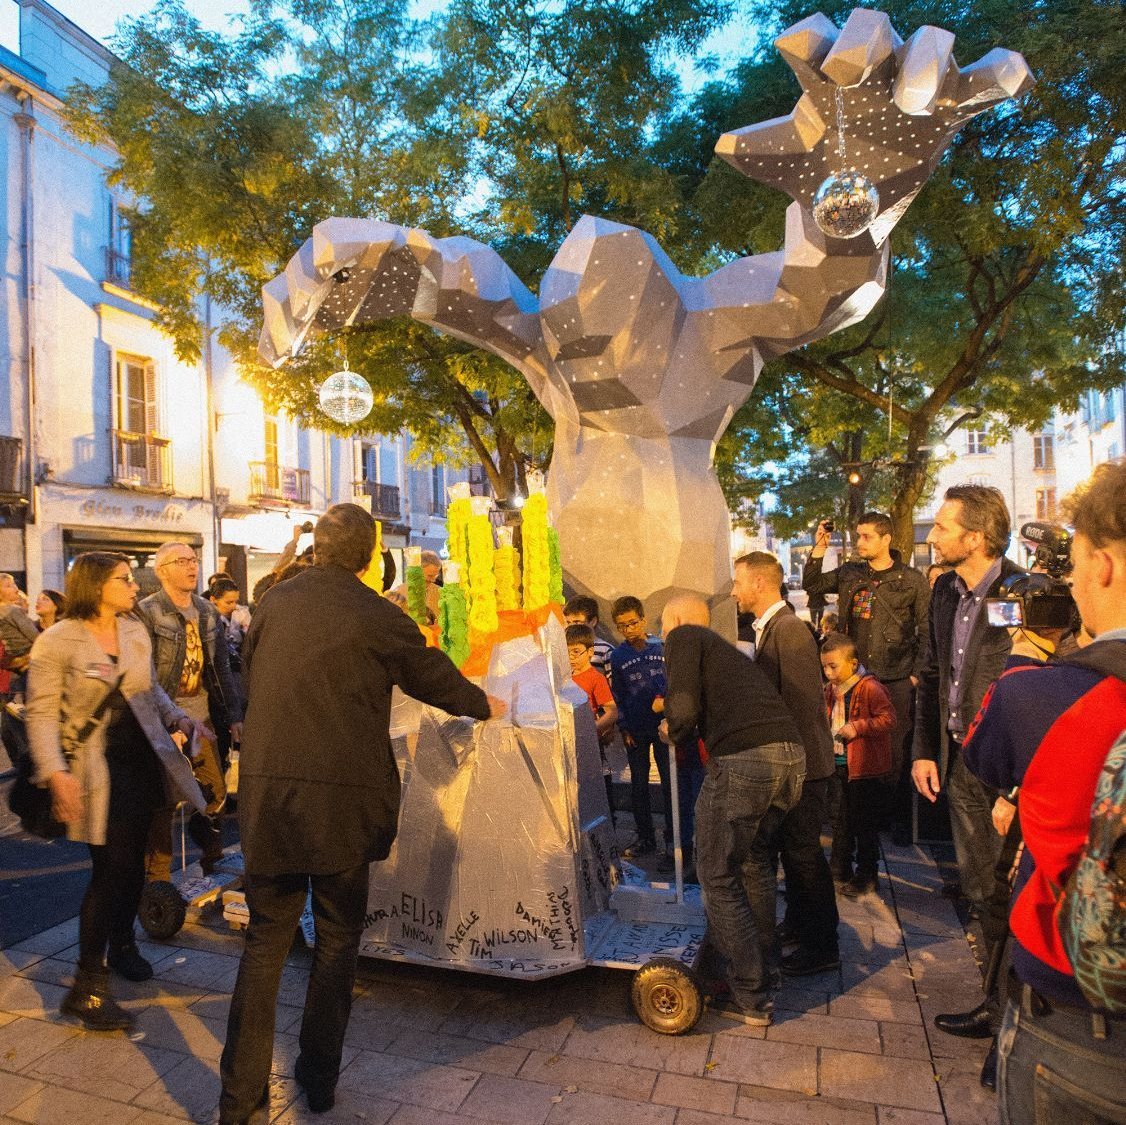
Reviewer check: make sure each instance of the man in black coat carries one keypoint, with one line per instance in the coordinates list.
(965, 654)
(882, 606)
(319, 793)
(787, 653)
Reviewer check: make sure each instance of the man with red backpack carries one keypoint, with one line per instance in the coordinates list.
(1042, 738)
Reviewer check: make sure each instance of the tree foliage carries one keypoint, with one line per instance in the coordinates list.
(1006, 288)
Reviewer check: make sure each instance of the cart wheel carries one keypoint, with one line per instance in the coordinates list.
(162, 910)
(666, 996)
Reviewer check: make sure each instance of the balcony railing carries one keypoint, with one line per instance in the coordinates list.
(119, 268)
(11, 467)
(281, 484)
(142, 461)
(384, 498)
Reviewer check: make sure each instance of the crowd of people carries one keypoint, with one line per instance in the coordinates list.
(136, 705)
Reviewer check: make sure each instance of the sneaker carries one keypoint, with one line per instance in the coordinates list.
(758, 1016)
(858, 886)
(639, 848)
(806, 962)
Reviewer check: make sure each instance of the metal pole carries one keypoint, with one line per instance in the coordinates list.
(674, 800)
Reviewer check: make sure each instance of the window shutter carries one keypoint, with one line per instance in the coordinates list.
(153, 451)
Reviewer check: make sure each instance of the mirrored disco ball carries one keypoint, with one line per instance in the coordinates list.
(845, 204)
(346, 397)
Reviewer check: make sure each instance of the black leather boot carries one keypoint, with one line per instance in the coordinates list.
(125, 959)
(320, 1095)
(89, 1001)
(977, 1024)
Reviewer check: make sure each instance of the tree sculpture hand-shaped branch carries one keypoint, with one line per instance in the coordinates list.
(641, 367)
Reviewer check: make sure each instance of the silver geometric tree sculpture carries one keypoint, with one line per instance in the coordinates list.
(640, 367)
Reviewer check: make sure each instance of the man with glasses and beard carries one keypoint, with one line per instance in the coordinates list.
(193, 666)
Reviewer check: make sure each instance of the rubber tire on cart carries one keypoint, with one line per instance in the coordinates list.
(162, 910)
(667, 996)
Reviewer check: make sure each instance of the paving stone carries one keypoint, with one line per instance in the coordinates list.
(109, 1066)
(780, 1066)
(816, 1030)
(49, 970)
(697, 1117)
(408, 1080)
(807, 996)
(893, 1115)
(368, 1030)
(878, 1079)
(416, 1115)
(519, 1025)
(37, 999)
(287, 1047)
(52, 1105)
(964, 1098)
(14, 1089)
(904, 1041)
(13, 960)
(182, 1030)
(152, 1117)
(138, 994)
(458, 1050)
(24, 1040)
(355, 1109)
(51, 941)
(213, 972)
(585, 1108)
(869, 1006)
(631, 1043)
(188, 1089)
(778, 1107)
(695, 1093)
(893, 980)
(599, 1077)
(510, 1101)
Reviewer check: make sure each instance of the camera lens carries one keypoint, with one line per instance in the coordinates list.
(828, 525)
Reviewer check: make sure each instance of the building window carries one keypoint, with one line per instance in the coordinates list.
(438, 490)
(1043, 452)
(119, 250)
(977, 441)
(1045, 503)
(142, 457)
(270, 442)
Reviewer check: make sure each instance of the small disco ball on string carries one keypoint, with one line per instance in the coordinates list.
(346, 397)
(845, 204)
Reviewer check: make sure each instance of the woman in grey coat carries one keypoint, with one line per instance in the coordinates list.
(105, 739)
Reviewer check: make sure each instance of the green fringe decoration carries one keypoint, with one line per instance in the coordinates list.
(416, 595)
(453, 617)
(555, 568)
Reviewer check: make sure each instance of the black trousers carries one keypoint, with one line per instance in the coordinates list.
(638, 757)
(276, 903)
(855, 835)
(811, 903)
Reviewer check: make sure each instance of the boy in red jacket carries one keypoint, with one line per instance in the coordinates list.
(861, 718)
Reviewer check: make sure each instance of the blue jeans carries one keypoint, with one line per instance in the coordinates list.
(739, 814)
(276, 903)
(1051, 1070)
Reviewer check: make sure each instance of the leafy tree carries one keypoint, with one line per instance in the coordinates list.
(1006, 293)
(513, 120)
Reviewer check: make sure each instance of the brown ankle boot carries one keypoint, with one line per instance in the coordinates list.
(89, 1001)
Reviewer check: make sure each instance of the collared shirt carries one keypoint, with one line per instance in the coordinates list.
(1112, 635)
(761, 622)
(965, 619)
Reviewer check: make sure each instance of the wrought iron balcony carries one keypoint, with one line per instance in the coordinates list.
(119, 268)
(384, 498)
(142, 461)
(11, 468)
(279, 484)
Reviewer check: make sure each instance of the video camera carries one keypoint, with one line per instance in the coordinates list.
(1040, 599)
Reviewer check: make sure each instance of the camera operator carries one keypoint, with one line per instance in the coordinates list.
(1041, 738)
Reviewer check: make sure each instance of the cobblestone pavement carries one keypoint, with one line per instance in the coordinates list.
(430, 1047)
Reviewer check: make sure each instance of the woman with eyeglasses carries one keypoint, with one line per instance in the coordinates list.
(106, 740)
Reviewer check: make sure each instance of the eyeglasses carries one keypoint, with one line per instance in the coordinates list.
(181, 562)
(128, 579)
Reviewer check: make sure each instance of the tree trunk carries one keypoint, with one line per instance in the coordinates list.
(910, 486)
